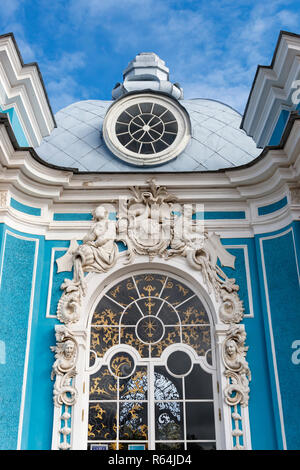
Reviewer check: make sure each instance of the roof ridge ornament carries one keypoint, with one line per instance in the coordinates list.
(147, 72)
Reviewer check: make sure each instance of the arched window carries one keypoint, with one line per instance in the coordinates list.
(152, 381)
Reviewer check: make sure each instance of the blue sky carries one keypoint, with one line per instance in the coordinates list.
(212, 48)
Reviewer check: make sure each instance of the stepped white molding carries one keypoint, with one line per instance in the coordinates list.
(21, 87)
(272, 90)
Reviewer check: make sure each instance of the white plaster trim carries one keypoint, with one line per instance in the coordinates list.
(272, 90)
(22, 83)
(50, 284)
(248, 277)
(279, 400)
(21, 120)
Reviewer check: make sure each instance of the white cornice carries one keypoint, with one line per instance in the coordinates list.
(25, 178)
(272, 90)
(22, 88)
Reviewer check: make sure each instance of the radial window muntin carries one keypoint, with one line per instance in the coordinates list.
(146, 129)
(148, 409)
(122, 330)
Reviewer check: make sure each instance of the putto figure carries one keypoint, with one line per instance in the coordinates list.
(99, 251)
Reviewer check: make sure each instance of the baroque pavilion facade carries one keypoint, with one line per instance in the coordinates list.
(150, 263)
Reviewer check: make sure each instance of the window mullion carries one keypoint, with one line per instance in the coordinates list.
(151, 407)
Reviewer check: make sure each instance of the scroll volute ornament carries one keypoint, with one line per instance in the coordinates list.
(64, 367)
(237, 370)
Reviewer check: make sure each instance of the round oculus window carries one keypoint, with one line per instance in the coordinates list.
(146, 129)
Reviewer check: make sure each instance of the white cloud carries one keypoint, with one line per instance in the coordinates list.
(9, 9)
(210, 47)
(234, 96)
(62, 86)
(62, 92)
(65, 63)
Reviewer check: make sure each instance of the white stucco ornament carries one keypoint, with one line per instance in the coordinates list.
(64, 367)
(152, 222)
(237, 369)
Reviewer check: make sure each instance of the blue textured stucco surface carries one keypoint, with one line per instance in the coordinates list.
(15, 295)
(261, 412)
(38, 411)
(284, 297)
(279, 128)
(25, 208)
(275, 206)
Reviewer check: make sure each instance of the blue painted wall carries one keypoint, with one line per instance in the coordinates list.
(15, 297)
(261, 411)
(279, 128)
(279, 278)
(38, 413)
(270, 208)
(16, 126)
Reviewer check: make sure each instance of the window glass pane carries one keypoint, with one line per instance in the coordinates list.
(168, 138)
(146, 107)
(150, 329)
(201, 446)
(169, 446)
(107, 312)
(198, 384)
(128, 336)
(122, 364)
(176, 292)
(200, 421)
(124, 292)
(103, 338)
(133, 446)
(103, 386)
(133, 421)
(121, 128)
(171, 336)
(131, 315)
(168, 315)
(133, 110)
(103, 446)
(159, 146)
(136, 386)
(166, 387)
(102, 421)
(168, 421)
(198, 337)
(126, 116)
(179, 363)
(133, 146)
(149, 305)
(150, 284)
(192, 312)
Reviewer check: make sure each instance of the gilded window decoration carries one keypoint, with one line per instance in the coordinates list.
(149, 316)
(150, 312)
(140, 399)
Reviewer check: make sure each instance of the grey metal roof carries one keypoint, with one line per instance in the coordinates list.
(217, 141)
